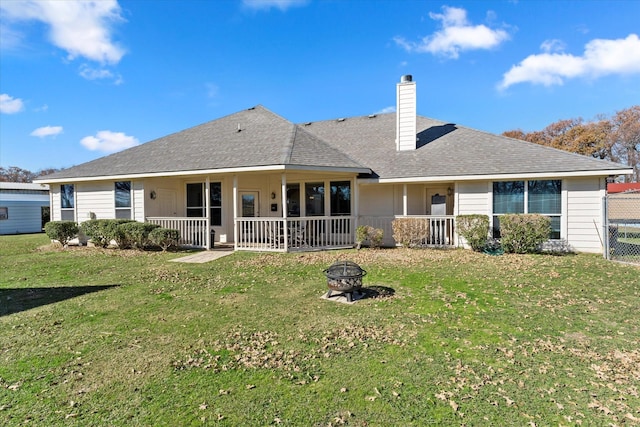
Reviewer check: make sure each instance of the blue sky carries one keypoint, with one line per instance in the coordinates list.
(79, 80)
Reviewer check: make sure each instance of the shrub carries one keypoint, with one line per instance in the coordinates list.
(367, 232)
(410, 232)
(62, 231)
(164, 237)
(524, 233)
(134, 234)
(103, 231)
(474, 229)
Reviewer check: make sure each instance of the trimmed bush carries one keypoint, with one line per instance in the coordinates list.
(103, 231)
(135, 234)
(164, 237)
(367, 232)
(62, 231)
(474, 229)
(524, 233)
(410, 232)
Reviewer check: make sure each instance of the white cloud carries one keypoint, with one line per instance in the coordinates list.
(390, 109)
(81, 28)
(283, 5)
(457, 35)
(553, 45)
(47, 131)
(109, 142)
(10, 105)
(601, 57)
(91, 73)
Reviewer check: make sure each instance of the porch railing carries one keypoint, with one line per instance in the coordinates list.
(294, 234)
(440, 230)
(193, 231)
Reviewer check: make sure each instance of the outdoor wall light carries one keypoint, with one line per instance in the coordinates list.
(153, 195)
(273, 195)
(450, 191)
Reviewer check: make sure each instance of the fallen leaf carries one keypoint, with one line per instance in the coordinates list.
(250, 386)
(454, 405)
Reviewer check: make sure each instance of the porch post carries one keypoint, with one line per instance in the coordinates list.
(235, 211)
(207, 206)
(404, 200)
(283, 202)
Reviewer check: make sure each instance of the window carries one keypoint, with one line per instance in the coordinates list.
(340, 198)
(293, 200)
(123, 199)
(545, 198)
(4, 213)
(314, 195)
(215, 202)
(67, 202)
(196, 201)
(540, 197)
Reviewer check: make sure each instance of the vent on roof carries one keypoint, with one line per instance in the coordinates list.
(238, 129)
(406, 78)
(341, 119)
(372, 116)
(308, 124)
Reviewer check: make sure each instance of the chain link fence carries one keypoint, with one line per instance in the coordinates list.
(622, 230)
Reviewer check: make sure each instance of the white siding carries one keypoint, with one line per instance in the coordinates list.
(137, 200)
(97, 198)
(473, 198)
(584, 213)
(54, 191)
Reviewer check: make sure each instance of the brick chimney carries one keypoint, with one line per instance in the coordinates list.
(406, 114)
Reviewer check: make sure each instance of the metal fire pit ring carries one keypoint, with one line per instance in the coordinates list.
(344, 277)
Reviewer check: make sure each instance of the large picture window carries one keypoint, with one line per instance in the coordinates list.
(196, 201)
(540, 197)
(67, 202)
(123, 199)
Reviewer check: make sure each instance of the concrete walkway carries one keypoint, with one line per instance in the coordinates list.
(205, 256)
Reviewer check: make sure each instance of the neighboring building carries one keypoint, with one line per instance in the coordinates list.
(257, 180)
(24, 208)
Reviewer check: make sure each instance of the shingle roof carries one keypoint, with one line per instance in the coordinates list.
(257, 137)
(250, 138)
(446, 149)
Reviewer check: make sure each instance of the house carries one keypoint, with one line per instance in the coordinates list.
(258, 181)
(24, 207)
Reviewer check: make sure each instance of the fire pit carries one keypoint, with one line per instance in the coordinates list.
(344, 277)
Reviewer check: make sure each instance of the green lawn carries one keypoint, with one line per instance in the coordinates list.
(93, 337)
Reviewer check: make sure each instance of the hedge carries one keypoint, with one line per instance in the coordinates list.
(524, 233)
(62, 231)
(164, 237)
(474, 229)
